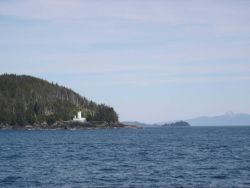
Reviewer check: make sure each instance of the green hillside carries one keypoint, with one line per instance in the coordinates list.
(29, 100)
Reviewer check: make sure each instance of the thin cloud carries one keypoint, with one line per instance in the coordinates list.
(143, 44)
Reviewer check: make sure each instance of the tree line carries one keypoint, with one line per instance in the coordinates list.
(29, 100)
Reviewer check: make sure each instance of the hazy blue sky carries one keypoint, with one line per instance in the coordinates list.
(152, 60)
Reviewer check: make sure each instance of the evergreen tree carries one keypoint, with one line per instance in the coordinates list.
(29, 100)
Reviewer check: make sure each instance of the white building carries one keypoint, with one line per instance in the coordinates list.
(79, 117)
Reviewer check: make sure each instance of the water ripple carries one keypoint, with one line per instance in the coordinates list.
(152, 157)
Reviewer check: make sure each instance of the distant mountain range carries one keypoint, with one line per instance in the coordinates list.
(227, 119)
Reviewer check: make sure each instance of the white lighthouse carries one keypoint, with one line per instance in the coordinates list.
(79, 117)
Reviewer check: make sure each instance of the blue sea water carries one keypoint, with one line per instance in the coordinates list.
(150, 157)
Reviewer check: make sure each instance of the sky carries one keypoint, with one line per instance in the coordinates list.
(152, 60)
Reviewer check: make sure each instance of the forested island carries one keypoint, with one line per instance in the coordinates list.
(26, 101)
(177, 124)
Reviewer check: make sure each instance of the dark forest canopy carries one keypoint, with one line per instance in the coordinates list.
(29, 100)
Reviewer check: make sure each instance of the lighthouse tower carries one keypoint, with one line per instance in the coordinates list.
(79, 117)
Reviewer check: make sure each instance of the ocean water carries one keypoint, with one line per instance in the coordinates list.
(150, 157)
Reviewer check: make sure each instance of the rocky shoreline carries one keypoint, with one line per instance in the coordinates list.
(70, 125)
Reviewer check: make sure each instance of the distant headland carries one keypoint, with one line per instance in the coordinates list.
(34, 103)
(172, 124)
